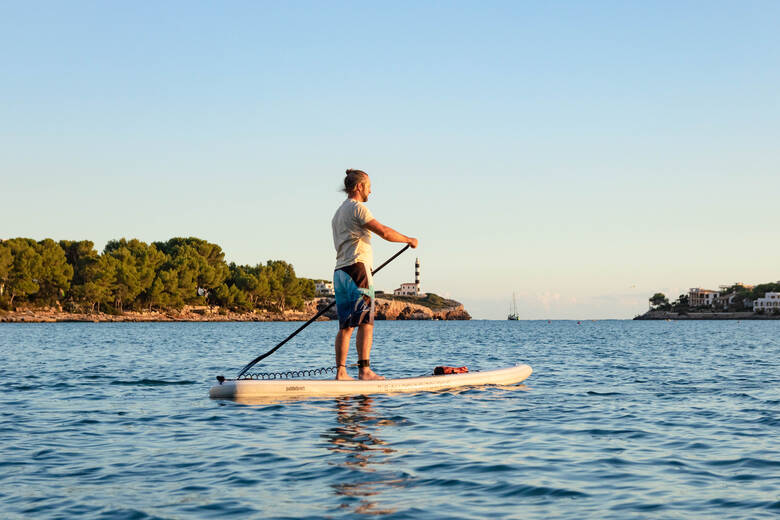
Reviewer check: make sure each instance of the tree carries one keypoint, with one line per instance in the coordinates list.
(760, 290)
(126, 285)
(658, 300)
(26, 268)
(201, 266)
(308, 289)
(167, 290)
(6, 260)
(55, 274)
(738, 303)
(231, 297)
(136, 264)
(279, 282)
(93, 274)
(222, 296)
(154, 297)
(79, 254)
(136, 272)
(736, 288)
(287, 290)
(253, 281)
(131, 273)
(178, 274)
(99, 280)
(681, 303)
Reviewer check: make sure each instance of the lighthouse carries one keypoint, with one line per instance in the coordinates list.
(411, 289)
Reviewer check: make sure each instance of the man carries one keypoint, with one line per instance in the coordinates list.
(352, 282)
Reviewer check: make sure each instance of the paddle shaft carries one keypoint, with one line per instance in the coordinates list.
(312, 320)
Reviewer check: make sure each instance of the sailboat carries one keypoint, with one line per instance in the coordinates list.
(513, 310)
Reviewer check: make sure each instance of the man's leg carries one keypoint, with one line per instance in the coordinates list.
(342, 347)
(365, 337)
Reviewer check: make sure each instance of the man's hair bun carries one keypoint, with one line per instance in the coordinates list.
(353, 178)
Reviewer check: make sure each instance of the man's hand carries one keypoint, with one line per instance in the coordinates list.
(412, 242)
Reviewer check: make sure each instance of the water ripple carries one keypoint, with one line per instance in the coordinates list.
(152, 382)
(620, 420)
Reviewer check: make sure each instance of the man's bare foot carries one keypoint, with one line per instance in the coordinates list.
(341, 375)
(368, 374)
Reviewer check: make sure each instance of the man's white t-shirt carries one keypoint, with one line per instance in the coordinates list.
(352, 240)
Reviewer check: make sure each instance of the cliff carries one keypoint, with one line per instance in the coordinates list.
(403, 310)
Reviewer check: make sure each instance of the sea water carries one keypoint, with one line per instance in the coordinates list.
(620, 419)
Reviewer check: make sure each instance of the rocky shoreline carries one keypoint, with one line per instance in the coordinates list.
(667, 315)
(385, 310)
(401, 310)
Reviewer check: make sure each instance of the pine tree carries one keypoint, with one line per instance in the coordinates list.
(26, 268)
(56, 273)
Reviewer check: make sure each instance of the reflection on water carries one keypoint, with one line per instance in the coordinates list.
(355, 439)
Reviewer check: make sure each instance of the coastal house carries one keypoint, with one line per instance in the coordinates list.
(323, 288)
(408, 289)
(411, 289)
(770, 302)
(698, 297)
(725, 299)
(722, 301)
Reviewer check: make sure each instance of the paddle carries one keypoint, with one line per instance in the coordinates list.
(312, 320)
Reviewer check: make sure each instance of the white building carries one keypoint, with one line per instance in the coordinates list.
(407, 289)
(324, 288)
(769, 302)
(701, 297)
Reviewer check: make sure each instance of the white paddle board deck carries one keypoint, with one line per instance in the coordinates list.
(251, 388)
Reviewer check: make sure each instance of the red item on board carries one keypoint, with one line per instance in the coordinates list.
(440, 371)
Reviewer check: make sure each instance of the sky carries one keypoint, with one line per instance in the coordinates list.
(580, 155)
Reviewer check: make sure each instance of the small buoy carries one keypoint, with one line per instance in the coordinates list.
(579, 323)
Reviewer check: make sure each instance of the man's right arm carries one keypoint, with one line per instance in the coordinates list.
(389, 234)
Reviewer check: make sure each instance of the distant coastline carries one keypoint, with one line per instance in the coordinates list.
(186, 314)
(724, 315)
(737, 301)
(386, 309)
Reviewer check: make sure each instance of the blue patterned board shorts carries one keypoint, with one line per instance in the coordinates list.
(354, 290)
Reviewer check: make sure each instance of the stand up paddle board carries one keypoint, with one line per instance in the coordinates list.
(251, 388)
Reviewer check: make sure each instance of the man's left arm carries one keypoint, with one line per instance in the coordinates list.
(388, 233)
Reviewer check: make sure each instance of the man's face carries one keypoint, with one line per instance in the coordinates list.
(364, 189)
